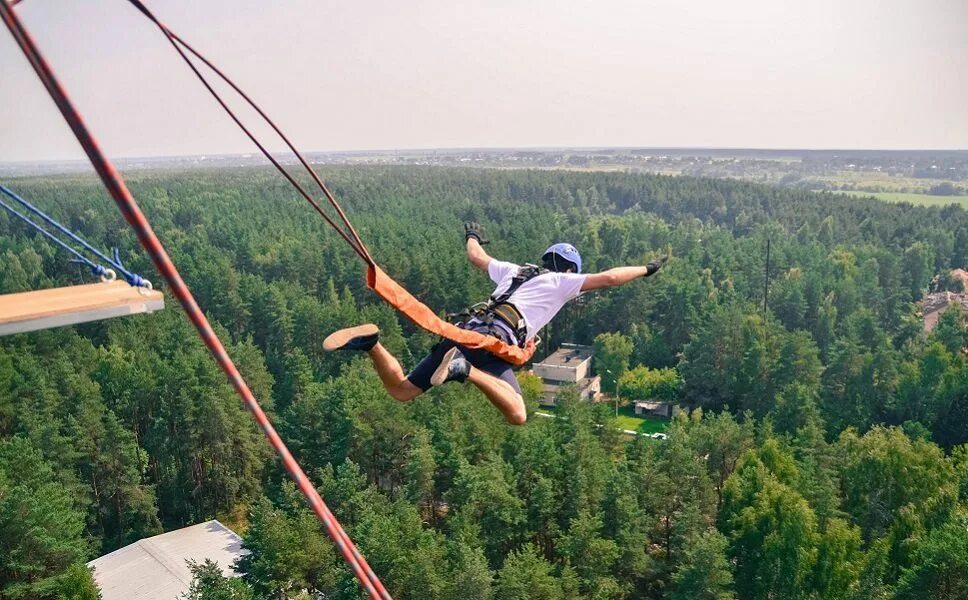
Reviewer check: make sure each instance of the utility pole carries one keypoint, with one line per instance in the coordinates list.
(766, 278)
(617, 395)
(616, 390)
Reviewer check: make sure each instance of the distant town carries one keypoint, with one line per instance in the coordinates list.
(922, 172)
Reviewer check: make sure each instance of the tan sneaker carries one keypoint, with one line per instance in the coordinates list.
(453, 367)
(361, 337)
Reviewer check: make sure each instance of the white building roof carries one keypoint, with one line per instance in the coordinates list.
(568, 356)
(155, 568)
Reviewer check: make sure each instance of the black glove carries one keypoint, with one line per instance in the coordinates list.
(474, 230)
(655, 265)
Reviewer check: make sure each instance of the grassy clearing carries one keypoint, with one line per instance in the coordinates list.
(916, 199)
(872, 179)
(627, 419)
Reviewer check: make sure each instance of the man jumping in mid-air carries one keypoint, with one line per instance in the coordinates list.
(525, 300)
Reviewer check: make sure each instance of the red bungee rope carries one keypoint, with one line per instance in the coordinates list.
(132, 213)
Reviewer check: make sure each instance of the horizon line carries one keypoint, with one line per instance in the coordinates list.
(451, 149)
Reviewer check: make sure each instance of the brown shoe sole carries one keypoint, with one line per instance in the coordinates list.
(338, 339)
(440, 373)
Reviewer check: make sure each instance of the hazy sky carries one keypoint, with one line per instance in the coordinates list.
(357, 74)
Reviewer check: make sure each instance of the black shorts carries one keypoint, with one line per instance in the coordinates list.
(480, 359)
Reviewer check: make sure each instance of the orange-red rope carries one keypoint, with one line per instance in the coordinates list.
(388, 290)
(132, 213)
(349, 234)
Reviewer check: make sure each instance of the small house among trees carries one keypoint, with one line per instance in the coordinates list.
(934, 305)
(570, 364)
(652, 408)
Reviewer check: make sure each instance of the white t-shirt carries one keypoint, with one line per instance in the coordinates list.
(540, 298)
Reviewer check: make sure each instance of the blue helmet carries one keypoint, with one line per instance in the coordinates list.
(567, 252)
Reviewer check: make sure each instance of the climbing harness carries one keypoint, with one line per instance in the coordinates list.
(499, 309)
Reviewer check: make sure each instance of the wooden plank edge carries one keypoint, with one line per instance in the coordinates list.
(146, 306)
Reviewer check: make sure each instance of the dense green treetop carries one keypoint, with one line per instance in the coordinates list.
(820, 454)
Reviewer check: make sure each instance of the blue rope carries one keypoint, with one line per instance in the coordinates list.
(98, 270)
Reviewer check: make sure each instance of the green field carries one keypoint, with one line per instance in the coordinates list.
(917, 199)
(627, 419)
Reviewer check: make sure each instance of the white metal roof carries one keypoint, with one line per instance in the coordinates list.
(568, 356)
(155, 568)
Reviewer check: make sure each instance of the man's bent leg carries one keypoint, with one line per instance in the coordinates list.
(501, 395)
(366, 338)
(391, 374)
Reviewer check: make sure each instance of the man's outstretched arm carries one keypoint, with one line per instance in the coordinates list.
(620, 275)
(475, 251)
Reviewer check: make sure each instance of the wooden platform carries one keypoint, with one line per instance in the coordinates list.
(44, 309)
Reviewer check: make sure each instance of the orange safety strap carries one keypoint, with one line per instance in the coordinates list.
(418, 312)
